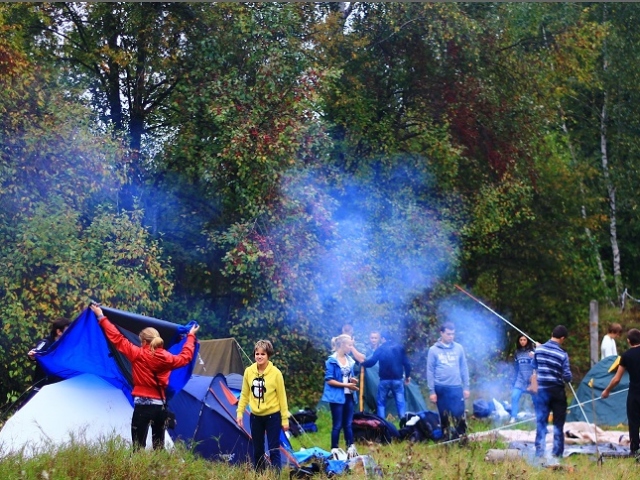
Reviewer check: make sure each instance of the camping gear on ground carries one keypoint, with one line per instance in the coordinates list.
(371, 427)
(482, 408)
(421, 426)
(206, 413)
(608, 411)
(303, 421)
(82, 409)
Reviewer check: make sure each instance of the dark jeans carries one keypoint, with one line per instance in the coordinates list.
(451, 408)
(554, 400)
(342, 419)
(271, 425)
(633, 416)
(386, 386)
(143, 417)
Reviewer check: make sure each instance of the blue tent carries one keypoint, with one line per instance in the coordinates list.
(84, 348)
(206, 413)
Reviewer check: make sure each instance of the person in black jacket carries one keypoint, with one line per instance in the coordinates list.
(393, 360)
(58, 327)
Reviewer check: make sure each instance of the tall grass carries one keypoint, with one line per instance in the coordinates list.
(113, 460)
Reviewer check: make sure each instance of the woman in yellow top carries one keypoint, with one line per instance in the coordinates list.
(263, 390)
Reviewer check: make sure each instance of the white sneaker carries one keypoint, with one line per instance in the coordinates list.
(351, 451)
(512, 420)
(338, 454)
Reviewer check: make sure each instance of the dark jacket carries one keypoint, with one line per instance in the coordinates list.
(392, 359)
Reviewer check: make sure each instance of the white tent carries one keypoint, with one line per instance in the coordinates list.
(82, 409)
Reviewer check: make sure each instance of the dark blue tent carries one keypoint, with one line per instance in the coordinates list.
(206, 413)
(83, 348)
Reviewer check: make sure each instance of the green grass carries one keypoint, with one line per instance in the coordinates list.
(112, 460)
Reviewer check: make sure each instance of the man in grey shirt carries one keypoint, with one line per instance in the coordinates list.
(448, 380)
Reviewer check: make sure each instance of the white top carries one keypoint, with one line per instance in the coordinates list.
(608, 347)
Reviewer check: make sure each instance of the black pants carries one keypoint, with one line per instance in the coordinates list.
(633, 416)
(143, 417)
(271, 425)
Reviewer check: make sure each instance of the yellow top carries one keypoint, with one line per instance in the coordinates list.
(264, 393)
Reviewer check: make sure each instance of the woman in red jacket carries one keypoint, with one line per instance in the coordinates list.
(151, 365)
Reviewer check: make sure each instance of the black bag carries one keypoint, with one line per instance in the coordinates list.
(169, 418)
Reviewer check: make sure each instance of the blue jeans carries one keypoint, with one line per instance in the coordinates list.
(451, 407)
(554, 400)
(342, 419)
(515, 400)
(386, 386)
(271, 425)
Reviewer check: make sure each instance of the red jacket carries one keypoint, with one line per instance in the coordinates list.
(144, 363)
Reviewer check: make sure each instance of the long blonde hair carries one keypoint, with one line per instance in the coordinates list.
(337, 342)
(151, 336)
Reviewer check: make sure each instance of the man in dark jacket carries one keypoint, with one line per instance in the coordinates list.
(393, 360)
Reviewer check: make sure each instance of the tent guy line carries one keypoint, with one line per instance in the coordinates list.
(523, 333)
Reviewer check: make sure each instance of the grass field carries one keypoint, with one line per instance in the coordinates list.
(112, 460)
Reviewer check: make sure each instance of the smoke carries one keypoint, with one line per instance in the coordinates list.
(379, 243)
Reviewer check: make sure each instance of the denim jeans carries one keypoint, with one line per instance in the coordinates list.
(554, 400)
(386, 386)
(271, 425)
(451, 407)
(342, 419)
(515, 401)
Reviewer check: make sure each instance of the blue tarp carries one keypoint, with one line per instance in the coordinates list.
(84, 348)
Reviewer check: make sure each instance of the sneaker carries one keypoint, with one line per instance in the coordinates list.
(338, 454)
(351, 451)
(512, 420)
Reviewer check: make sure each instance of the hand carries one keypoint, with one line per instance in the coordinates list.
(194, 329)
(285, 427)
(351, 386)
(605, 393)
(32, 354)
(96, 310)
(353, 380)
(407, 380)
(433, 397)
(465, 393)
(239, 422)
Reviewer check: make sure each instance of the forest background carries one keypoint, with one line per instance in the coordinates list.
(275, 170)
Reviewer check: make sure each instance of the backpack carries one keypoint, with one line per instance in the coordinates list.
(371, 427)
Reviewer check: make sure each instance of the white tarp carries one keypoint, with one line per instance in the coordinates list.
(82, 409)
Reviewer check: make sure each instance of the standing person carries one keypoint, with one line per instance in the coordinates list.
(268, 403)
(374, 341)
(392, 360)
(608, 345)
(630, 362)
(551, 364)
(151, 365)
(339, 390)
(58, 327)
(523, 358)
(448, 380)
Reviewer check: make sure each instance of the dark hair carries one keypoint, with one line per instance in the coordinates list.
(615, 328)
(633, 336)
(59, 323)
(528, 346)
(560, 331)
(447, 326)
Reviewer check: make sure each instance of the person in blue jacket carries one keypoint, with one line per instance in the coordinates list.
(340, 387)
